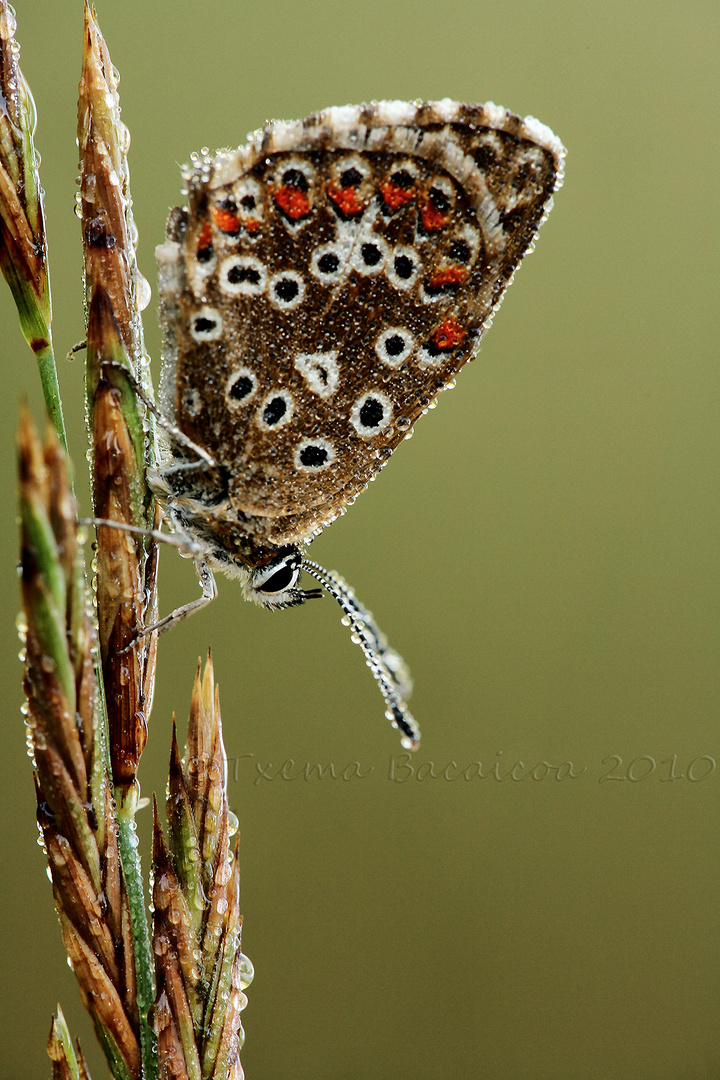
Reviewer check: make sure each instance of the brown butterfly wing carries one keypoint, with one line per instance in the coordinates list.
(333, 277)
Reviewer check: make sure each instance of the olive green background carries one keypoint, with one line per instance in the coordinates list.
(543, 553)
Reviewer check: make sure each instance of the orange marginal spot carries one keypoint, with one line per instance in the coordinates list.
(252, 224)
(225, 220)
(451, 275)
(394, 197)
(346, 199)
(432, 218)
(205, 237)
(292, 201)
(449, 335)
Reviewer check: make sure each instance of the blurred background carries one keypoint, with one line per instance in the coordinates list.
(543, 553)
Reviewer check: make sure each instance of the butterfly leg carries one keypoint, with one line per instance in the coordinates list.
(183, 543)
(209, 592)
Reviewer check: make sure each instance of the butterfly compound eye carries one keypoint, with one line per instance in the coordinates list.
(278, 576)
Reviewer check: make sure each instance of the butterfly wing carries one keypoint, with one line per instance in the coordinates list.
(330, 279)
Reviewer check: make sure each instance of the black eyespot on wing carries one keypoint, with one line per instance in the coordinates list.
(274, 411)
(402, 179)
(295, 178)
(394, 345)
(204, 325)
(404, 267)
(241, 388)
(371, 254)
(372, 412)
(313, 456)
(350, 178)
(286, 289)
(328, 263)
(459, 251)
(439, 199)
(236, 275)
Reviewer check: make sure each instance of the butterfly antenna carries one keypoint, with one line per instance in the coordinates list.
(386, 665)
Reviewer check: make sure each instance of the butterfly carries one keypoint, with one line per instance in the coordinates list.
(325, 282)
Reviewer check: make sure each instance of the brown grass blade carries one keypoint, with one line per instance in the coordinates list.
(201, 972)
(127, 564)
(68, 1062)
(74, 794)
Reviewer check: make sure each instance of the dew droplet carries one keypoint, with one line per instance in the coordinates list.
(247, 971)
(143, 292)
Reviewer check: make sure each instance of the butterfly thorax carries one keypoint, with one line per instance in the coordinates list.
(197, 504)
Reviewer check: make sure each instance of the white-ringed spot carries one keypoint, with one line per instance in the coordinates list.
(250, 202)
(438, 205)
(320, 371)
(286, 290)
(276, 410)
(349, 186)
(206, 325)
(371, 413)
(242, 275)
(399, 188)
(241, 387)
(327, 263)
(350, 171)
(313, 455)
(291, 184)
(402, 267)
(441, 186)
(464, 246)
(394, 346)
(295, 172)
(370, 254)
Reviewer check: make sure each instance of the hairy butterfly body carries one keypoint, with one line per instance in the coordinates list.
(324, 284)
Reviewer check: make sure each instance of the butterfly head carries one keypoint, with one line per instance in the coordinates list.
(274, 585)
